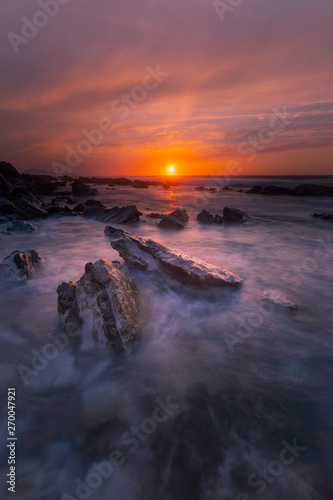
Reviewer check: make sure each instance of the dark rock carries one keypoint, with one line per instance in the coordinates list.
(180, 215)
(313, 190)
(218, 219)
(81, 189)
(205, 217)
(94, 203)
(122, 215)
(234, 215)
(154, 257)
(256, 190)
(201, 188)
(170, 223)
(6, 207)
(29, 209)
(227, 188)
(122, 181)
(277, 190)
(141, 184)
(58, 210)
(325, 216)
(156, 216)
(106, 297)
(18, 266)
(79, 208)
(22, 226)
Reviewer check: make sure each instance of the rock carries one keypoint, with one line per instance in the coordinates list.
(277, 190)
(122, 215)
(277, 299)
(152, 256)
(106, 298)
(256, 190)
(94, 203)
(201, 188)
(231, 215)
(121, 181)
(59, 210)
(81, 189)
(227, 188)
(313, 190)
(326, 216)
(212, 190)
(205, 217)
(29, 209)
(79, 208)
(18, 266)
(6, 207)
(21, 225)
(156, 216)
(218, 219)
(141, 184)
(179, 215)
(113, 232)
(170, 223)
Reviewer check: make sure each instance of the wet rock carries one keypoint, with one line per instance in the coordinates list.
(276, 298)
(81, 189)
(154, 257)
(205, 217)
(325, 216)
(170, 223)
(105, 298)
(231, 215)
(6, 207)
(29, 209)
(180, 215)
(18, 266)
(121, 215)
(79, 208)
(21, 225)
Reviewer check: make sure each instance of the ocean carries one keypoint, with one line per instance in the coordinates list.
(243, 391)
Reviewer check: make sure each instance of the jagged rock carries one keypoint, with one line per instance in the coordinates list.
(141, 184)
(104, 297)
(21, 225)
(81, 189)
(156, 216)
(152, 256)
(29, 209)
(122, 215)
(180, 215)
(18, 266)
(256, 190)
(170, 223)
(234, 215)
(326, 216)
(79, 208)
(218, 219)
(205, 217)
(278, 299)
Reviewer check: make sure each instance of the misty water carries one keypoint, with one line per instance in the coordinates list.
(239, 380)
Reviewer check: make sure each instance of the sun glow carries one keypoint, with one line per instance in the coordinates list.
(171, 169)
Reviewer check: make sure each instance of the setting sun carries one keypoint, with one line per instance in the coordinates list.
(171, 169)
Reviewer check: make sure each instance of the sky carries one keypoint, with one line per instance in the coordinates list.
(130, 87)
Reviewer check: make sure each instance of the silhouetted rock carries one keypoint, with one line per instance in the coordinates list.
(6, 207)
(81, 189)
(201, 188)
(94, 203)
(205, 217)
(313, 190)
(79, 208)
(256, 190)
(325, 216)
(218, 219)
(154, 257)
(106, 297)
(118, 215)
(141, 184)
(226, 188)
(179, 215)
(277, 190)
(231, 215)
(170, 223)
(18, 266)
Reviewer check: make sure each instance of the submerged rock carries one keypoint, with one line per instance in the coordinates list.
(155, 257)
(18, 266)
(205, 217)
(278, 299)
(21, 225)
(325, 216)
(104, 297)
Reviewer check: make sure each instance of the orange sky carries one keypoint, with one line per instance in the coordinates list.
(163, 83)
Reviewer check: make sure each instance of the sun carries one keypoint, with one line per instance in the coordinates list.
(171, 169)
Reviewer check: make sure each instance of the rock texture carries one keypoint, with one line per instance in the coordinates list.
(18, 266)
(117, 215)
(278, 299)
(205, 217)
(81, 189)
(104, 297)
(152, 256)
(230, 215)
(22, 226)
(325, 216)
(174, 220)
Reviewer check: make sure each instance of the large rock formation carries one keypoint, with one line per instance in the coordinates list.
(152, 256)
(117, 215)
(21, 226)
(18, 266)
(105, 298)
(81, 189)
